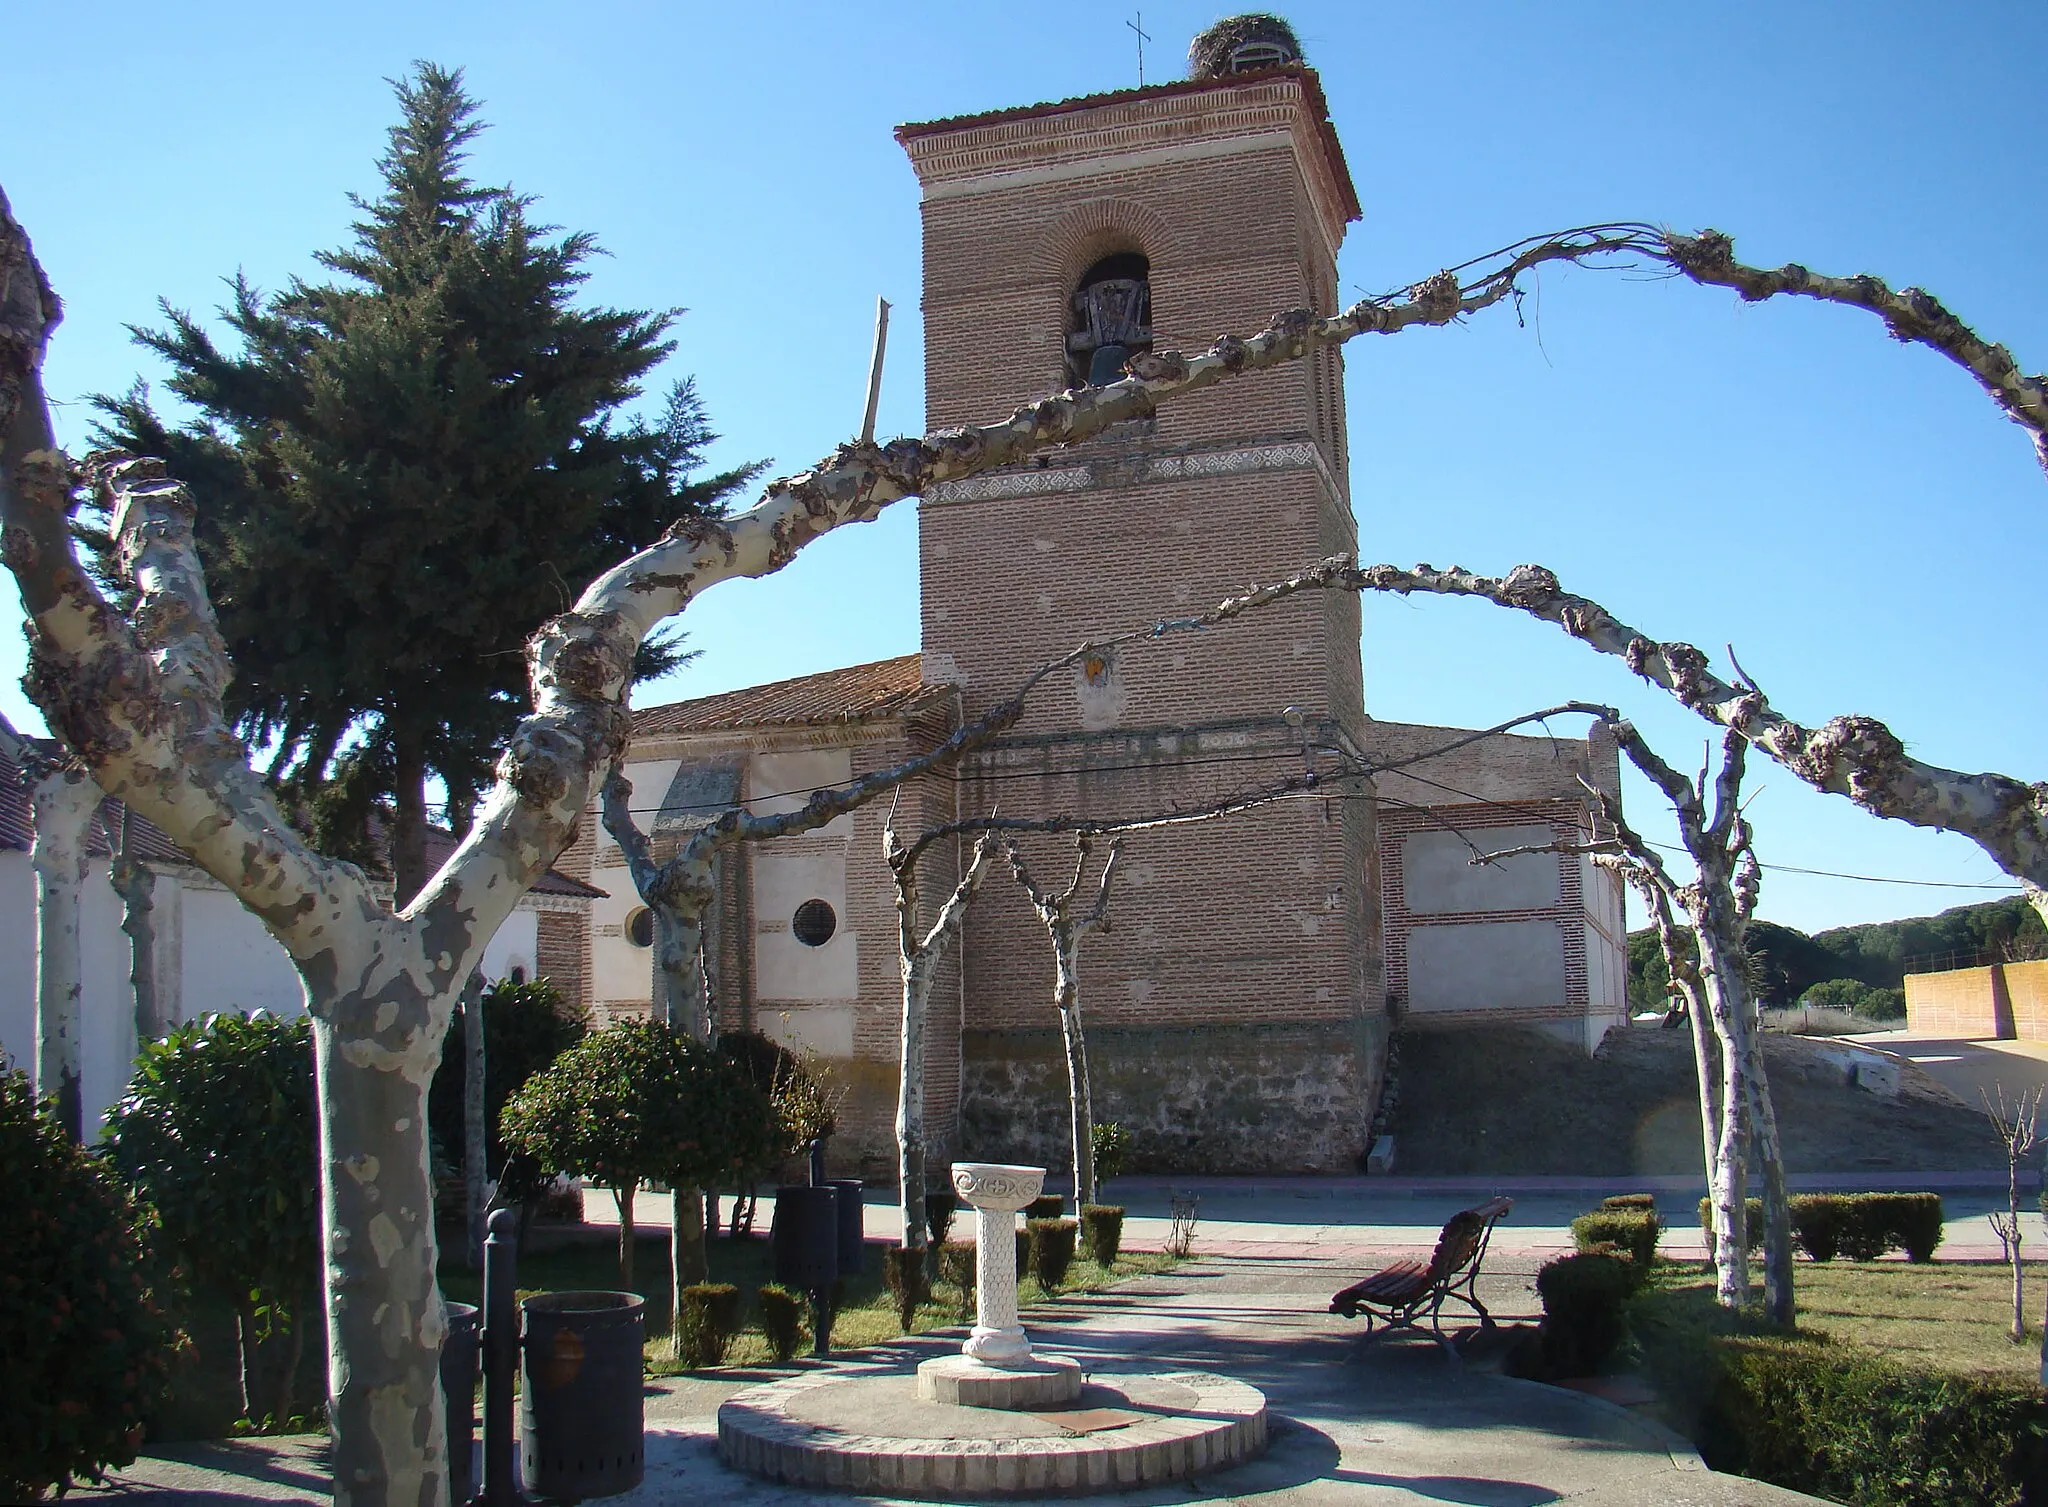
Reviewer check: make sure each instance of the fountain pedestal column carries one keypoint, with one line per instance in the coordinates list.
(997, 1368)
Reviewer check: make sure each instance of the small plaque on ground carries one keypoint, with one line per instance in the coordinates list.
(1091, 1420)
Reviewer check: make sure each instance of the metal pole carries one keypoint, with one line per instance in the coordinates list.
(867, 428)
(501, 1358)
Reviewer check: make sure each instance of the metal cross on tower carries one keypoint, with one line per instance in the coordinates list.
(1144, 36)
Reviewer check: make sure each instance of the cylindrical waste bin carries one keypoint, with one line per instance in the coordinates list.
(458, 1393)
(853, 1231)
(804, 1241)
(581, 1418)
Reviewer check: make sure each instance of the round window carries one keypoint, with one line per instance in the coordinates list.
(814, 923)
(640, 927)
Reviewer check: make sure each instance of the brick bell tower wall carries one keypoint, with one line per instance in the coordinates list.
(1236, 1008)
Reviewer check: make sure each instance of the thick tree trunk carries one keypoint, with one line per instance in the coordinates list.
(1730, 1187)
(475, 1132)
(687, 1264)
(1080, 1098)
(918, 973)
(678, 959)
(385, 1320)
(63, 803)
(1780, 1306)
(408, 818)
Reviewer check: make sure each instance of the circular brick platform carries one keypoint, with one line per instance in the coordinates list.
(871, 1432)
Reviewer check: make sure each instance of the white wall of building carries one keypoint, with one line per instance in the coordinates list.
(227, 963)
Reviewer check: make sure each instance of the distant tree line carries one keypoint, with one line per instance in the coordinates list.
(1786, 964)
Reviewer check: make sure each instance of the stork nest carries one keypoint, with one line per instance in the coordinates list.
(1210, 52)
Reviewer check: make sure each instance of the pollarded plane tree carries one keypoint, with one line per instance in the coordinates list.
(135, 691)
(1709, 968)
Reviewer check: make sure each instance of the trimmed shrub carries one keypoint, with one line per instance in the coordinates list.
(1753, 1220)
(956, 1265)
(1817, 1225)
(1584, 1297)
(1023, 1253)
(1102, 1233)
(1646, 1202)
(1045, 1206)
(1863, 1233)
(1915, 1223)
(1634, 1230)
(1052, 1249)
(1842, 1422)
(709, 1318)
(903, 1273)
(782, 1320)
(939, 1209)
(87, 1347)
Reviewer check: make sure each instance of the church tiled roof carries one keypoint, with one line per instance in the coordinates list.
(858, 693)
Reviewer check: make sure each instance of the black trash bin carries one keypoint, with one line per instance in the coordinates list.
(581, 1418)
(804, 1241)
(458, 1392)
(853, 1232)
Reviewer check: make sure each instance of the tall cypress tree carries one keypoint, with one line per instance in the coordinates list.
(408, 469)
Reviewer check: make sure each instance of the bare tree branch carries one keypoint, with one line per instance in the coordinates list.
(1912, 315)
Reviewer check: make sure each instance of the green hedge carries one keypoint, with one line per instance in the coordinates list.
(904, 1274)
(1842, 1422)
(1860, 1226)
(1102, 1233)
(1052, 1249)
(782, 1320)
(1646, 1202)
(1634, 1230)
(1045, 1206)
(957, 1261)
(710, 1318)
(1584, 1299)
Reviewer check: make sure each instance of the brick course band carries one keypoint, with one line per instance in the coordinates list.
(1224, 1426)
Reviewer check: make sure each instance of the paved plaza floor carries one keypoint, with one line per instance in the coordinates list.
(1399, 1423)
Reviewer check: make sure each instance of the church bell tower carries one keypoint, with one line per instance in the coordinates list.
(1236, 1010)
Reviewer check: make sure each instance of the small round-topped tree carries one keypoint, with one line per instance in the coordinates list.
(1243, 44)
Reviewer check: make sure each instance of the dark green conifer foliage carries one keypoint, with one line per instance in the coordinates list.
(405, 470)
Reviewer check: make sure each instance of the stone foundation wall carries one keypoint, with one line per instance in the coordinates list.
(1291, 1097)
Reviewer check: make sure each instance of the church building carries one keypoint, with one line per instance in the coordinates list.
(1239, 1005)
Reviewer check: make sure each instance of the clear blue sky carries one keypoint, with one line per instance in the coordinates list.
(1853, 515)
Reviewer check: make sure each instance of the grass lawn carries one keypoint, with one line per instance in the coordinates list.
(1941, 1316)
(867, 1314)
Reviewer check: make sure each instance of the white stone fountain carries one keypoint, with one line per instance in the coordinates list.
(995, 1420)
(996, 1368)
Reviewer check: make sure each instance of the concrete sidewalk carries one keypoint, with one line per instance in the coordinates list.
(1399, 1424)
(1352, 1221)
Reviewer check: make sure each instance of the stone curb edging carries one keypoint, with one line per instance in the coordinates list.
(1226, 1426)
(1676, 1445)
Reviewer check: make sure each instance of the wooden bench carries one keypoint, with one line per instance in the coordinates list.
(1402, 1295)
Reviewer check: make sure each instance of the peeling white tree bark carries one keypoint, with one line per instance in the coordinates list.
(63, 801)
(1066, 926)
(920, 950)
